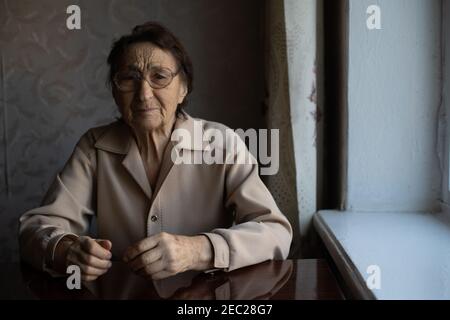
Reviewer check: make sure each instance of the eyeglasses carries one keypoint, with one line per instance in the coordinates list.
(130, 81)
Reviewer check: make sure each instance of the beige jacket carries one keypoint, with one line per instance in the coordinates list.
(105, 177)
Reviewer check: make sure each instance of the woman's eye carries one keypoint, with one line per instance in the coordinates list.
(159, 76)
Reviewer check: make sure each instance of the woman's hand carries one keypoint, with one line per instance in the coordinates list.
(164, 255)
(91, 255)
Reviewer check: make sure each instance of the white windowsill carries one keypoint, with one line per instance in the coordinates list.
(411, 249)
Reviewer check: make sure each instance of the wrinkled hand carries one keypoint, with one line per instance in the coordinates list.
(164, 255)
(91, 255)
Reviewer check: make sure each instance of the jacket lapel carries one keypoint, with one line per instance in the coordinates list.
(166, 167)
(135, 166)
(118, 139)
(194, 127)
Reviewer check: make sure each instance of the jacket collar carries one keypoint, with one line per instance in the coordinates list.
(118, 137)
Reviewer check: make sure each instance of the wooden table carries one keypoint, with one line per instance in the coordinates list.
(278, 280)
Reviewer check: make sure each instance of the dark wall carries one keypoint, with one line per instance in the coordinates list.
(52, 85)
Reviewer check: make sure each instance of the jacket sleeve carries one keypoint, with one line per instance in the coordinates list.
(65, 210)
(260, 231)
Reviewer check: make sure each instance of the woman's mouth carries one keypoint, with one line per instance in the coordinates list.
(146, 110)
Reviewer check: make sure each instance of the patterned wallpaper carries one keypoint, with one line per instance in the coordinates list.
(52, 81)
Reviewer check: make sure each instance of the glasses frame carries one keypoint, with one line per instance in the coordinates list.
(143, 77)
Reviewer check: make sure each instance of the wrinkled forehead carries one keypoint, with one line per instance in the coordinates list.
(145, 55)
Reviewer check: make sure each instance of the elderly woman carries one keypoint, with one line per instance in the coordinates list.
(161, 218)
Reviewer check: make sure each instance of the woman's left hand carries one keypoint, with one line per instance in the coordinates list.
(164, 255)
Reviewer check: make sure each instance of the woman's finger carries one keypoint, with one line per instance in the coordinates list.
(93, 261)
(73, 259)
(88, 278)
(94, 248)
(145, 259)
(152, 268)
(140, 247)
(105, 243)
(161, 275)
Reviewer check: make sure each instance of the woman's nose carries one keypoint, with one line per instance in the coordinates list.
(145, 90)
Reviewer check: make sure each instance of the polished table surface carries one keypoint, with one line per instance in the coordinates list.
(278, 280)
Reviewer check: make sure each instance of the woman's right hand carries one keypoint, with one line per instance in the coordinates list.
(93, 256)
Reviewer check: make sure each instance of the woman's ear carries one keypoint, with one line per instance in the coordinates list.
(182, 93)
(114, 93)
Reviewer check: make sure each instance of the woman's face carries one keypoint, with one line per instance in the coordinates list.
(146, 108)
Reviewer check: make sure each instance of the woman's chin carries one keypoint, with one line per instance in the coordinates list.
(147, 124)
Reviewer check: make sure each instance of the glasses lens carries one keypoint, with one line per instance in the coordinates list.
(127, 81)
(160, 77)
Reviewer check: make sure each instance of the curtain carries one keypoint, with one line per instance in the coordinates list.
(290, 51)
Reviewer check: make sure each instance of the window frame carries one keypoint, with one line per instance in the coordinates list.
(444, 116)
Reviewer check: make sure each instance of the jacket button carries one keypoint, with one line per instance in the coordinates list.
(154, 218)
